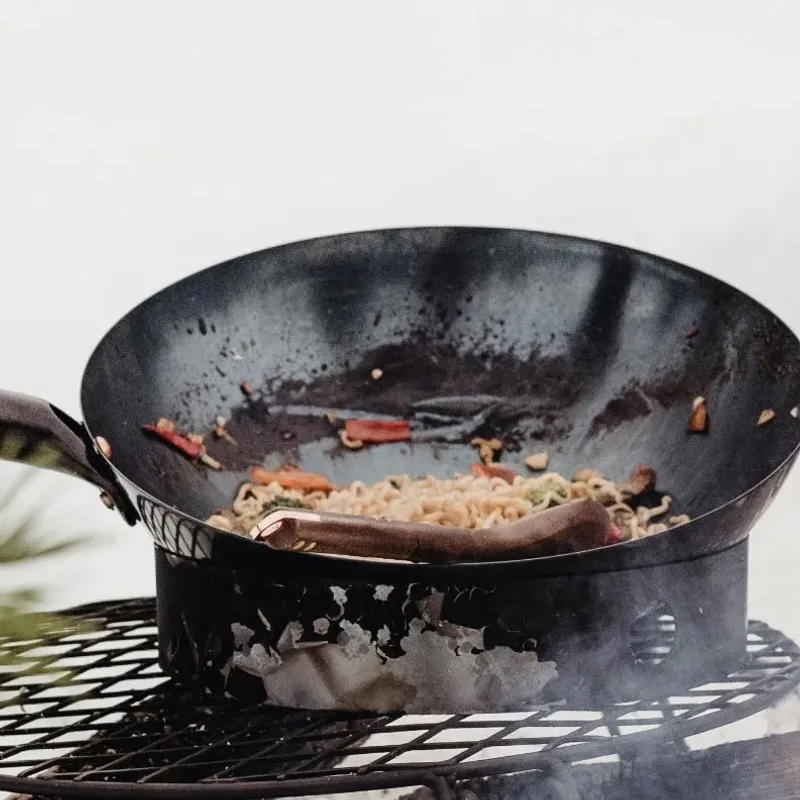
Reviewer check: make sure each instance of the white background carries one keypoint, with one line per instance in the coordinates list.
(141, 141)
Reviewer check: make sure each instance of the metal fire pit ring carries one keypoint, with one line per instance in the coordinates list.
(89, 713)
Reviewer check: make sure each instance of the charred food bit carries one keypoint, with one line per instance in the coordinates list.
(642, 479)
(482, 470)
(537, 462)
(487, 448)
(246, 388)
(350, 444)
(766, 416)
(698, 422)
(378, 431)
(104, 446)
(220, 432)
(377, 374)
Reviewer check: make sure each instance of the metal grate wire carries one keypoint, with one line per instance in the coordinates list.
(89, 713)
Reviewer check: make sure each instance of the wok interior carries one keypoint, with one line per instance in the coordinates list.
(587, 342)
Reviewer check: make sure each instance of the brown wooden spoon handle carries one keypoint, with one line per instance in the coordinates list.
(582, 525)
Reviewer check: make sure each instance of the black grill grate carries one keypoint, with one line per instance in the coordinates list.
(91, 713)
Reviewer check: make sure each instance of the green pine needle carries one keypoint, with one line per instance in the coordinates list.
(23, 538)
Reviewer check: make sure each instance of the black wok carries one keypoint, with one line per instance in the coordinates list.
(591, 351)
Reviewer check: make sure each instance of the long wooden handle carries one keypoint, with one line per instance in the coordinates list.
(582, 525)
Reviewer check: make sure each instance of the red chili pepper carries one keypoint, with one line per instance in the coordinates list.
(181, 443)
(481, 470)
(378, 431)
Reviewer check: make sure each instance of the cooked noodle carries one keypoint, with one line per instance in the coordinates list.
(462, 500)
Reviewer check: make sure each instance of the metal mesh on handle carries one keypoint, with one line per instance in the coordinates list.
(92, 711)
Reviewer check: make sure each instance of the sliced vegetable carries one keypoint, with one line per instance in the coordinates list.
(487, 448)
(206, 459)
(350, 444)
(481, 470)
(642, 479)
(698, 422)
(766, 416)
(180, 443)
(378, 431)
(537, 462)
(292, 479)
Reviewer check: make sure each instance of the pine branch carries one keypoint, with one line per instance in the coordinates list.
(23, 538)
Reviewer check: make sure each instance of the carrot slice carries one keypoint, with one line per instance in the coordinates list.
(292, 479)
(481, 470)
(378, 431)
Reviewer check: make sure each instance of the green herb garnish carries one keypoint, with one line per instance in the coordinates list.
(539, 494)
(282, 502)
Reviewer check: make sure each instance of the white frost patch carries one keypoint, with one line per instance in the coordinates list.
(383, 636)
(322, 625)
(382, 592)
(256, 660)
(440, 672)
(242, 635)
(340, 598)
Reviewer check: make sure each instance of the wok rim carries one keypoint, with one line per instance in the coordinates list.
(668, 263)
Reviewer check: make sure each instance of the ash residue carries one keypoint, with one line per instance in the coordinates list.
(629, 405)
(418, 370)
(258, 433)
(532, 395)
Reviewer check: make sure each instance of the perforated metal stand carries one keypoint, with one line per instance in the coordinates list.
(88, 713)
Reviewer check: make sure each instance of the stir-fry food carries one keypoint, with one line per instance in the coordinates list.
(480, 500)
(492, 494)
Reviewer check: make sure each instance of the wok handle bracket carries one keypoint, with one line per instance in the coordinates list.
(37, 433)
